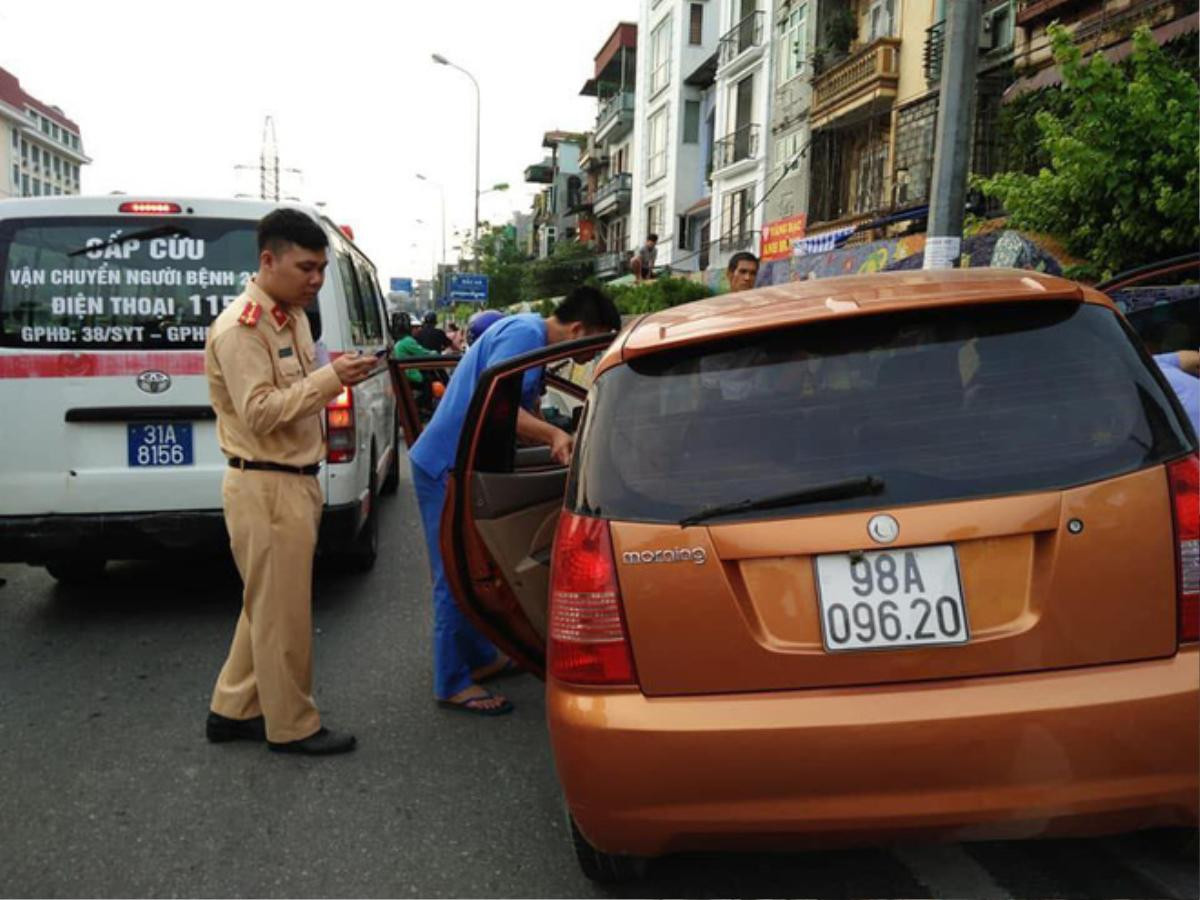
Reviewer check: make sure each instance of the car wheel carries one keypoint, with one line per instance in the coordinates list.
(605, 868)
(362, 556)
(76, 569)
(392, 482)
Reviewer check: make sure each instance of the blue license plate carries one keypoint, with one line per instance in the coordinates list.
(167, 444)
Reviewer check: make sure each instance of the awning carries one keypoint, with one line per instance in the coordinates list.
(700, 206)
(1052, 75)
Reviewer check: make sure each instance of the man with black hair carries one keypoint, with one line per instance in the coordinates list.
(643, 261)
(430, 336)
(742, 271)
(269, 391)
(462, 657)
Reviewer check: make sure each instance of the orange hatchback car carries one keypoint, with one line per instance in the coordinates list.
(849, 561)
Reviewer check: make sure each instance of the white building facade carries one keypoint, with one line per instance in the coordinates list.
(41, 151)
(675, 39)
(744, 88)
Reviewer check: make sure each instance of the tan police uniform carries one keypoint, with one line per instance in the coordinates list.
(269, 394)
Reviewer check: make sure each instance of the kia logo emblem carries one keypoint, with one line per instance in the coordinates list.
(883, 529)
(154, 381)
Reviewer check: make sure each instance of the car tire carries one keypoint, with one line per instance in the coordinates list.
(392, 482)
(76, 570)
(361, 557)
(605, 868)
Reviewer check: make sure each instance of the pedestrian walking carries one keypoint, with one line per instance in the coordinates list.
(462, 657)
(268, 393)
(642, 263)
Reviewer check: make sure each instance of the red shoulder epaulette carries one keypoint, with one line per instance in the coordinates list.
(280, 317)
(251, 314)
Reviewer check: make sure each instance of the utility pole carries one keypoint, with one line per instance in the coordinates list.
(269, 181)
(952, 146)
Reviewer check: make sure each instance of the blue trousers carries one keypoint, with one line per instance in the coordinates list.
(457, 646)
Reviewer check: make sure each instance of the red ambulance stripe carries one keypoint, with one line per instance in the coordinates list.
(96, 365)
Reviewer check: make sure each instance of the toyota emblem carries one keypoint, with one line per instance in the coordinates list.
(883, 529)
(154, 381)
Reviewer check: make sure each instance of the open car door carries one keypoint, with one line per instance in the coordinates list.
(503, 502)
(412, 409)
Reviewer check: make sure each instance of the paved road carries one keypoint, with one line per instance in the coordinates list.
(109, 788)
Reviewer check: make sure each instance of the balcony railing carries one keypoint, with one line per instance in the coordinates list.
(741, 37)
(733, 148)
(1030, 11)
(612, 263)
(1122, 21)
(873, 68)
(935, 46)
(613, 193)
(730, 243)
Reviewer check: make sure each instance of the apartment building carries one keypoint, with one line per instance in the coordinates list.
(607, 159)
(41, 151)
(743, 103)
(794, 40)
(677, 40)
(556, 210)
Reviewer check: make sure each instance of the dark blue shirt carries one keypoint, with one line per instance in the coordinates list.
(435, 449)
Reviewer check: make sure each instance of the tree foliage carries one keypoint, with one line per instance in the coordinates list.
(661, 293)
(1121, 183)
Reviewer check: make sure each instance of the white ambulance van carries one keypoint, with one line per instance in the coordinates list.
(110, 448)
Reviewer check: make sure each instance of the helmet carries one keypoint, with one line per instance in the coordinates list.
(430, 318)
(481, 322)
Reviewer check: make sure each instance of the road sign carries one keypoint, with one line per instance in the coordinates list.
(469, 288)
(402, 284)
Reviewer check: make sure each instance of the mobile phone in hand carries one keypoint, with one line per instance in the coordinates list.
(380, 354)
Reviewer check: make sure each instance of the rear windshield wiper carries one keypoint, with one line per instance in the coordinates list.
(834, 490)
(160, 231)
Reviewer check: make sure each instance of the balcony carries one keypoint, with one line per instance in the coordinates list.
(1030, 12)
(742, 37)
(1110, 27)
(733, 148)
(615, 117)
(539, 173)
(614, 195)
(868, 77)
(612, 264)
(594, 156)
(732, 243)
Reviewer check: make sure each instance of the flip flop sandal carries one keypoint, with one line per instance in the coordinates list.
(508, 670)
(468, 707)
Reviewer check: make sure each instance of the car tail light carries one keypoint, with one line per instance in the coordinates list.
(340, 433)
(1184, 476)
(150, 208)
(588, 639)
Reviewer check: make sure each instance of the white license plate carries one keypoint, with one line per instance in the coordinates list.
(891, 598)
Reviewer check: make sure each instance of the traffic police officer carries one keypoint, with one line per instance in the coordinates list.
(269, 392)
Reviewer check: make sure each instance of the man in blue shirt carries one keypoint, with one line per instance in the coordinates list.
(1181, 370)
(462, 657)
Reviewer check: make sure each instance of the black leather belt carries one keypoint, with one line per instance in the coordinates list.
(236, 463)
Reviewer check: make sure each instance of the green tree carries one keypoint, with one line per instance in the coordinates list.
(571, 264)
(1121, 184)
(503, 261)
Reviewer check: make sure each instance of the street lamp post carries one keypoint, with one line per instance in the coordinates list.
(442, 194)
(442, 61)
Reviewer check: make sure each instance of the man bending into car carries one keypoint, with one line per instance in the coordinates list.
(462, 657)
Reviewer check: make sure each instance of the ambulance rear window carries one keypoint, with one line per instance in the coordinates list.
(127, 282)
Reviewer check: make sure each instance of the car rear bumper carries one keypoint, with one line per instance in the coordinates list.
(145, 535)
(1087, 751)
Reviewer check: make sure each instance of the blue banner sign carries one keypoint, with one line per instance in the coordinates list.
(401, 285)
(469, 288)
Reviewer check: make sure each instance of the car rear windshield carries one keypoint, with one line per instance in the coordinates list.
(938, 404)
(119, 282)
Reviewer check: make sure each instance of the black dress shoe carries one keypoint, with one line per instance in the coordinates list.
(220, 729)
(322, 743)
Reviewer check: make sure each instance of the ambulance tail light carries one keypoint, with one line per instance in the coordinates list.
(150, 208)
(340, 433)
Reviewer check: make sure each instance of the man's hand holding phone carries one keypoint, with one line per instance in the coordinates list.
(353, 369)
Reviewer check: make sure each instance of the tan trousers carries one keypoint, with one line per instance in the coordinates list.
(272, 519)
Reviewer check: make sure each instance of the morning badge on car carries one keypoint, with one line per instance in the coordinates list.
(891, 599)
